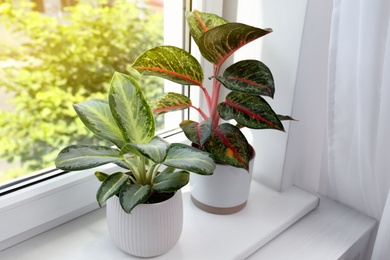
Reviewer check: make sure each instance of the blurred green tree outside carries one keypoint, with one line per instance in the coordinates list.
(52, 63)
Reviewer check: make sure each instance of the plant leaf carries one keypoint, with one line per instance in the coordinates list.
(96, 116)
(130, 109)
(101, 176)
(285, 117)
(156, 150)
(188, 158)
(171, 101)
(171, 182)
(133, 194)
(201, 22)
(229, 146)
(249, 76)
(110, 186)
(81, 157)
(250, 111)
(218, 43)
(195, 132)
(170, 63)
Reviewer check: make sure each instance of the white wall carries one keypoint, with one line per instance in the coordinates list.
(280, 51)
(304, 149)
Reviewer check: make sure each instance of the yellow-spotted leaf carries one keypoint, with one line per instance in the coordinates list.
(172, 63)
(201, 22)
(171, 101)
(229, 146)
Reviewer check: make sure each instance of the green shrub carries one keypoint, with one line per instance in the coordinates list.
(55, 63)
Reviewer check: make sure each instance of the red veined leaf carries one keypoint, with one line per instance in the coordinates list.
(171, 101)
(218, 43)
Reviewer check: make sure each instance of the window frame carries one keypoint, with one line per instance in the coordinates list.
(27, 210)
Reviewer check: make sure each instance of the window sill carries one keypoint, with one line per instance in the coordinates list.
(205, 236)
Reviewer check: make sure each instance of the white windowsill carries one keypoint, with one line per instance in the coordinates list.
(205, 236)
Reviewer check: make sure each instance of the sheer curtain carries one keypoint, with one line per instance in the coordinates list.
(343, 152)
(358, 129)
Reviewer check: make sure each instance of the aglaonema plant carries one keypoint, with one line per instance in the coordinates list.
(127, 121)
(247, 80)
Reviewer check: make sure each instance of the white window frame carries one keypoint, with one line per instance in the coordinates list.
(32, 210)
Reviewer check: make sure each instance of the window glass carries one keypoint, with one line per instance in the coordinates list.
(56, 53)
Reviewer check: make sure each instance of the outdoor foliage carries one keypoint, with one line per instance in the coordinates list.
(54, 63)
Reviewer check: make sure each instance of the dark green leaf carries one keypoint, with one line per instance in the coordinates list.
(249, 76)
(171, 63)
(250, 111)
(170, 102)
(156, 150)
(190, 159)
(200, 23)
(170, 182)
(229, 146)
(218, 43)
(81, 157)
(111, 186)
(130, 109)
(195, 132)
(133, 194)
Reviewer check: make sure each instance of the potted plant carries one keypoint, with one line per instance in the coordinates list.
(146, 190)
(247, 80)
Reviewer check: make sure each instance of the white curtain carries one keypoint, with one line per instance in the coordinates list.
(357, 171)
(353, 160)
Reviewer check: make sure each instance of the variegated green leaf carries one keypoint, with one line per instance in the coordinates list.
(129, 149)
(229, 146)
(130, 110)
(111, 186)
(195, 132)
(81, 157)
(101, 176)
(217, 44)
(250, 111)
(249, 76)
(156, 150)
(201, 22)
(190, 159)
(132, 195)
(171, 101)
(171, 63)
(171, 182)
(96, 116)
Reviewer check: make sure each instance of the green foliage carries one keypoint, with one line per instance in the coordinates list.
(138, 151)
(53, 63)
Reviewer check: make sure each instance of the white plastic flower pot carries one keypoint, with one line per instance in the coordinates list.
(224, 192)
(150, 229)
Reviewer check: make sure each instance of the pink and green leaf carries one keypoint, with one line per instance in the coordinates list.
(229, 146)
(250, 111)
(200, 23)
(195, 132)
(171, 101)
(170, 63)
(218, 43)
(249, 76)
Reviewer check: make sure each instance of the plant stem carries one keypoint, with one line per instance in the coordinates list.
(215, 98)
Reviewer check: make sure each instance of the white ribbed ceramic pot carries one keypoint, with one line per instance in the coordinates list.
(150, 229)
(224, 192)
